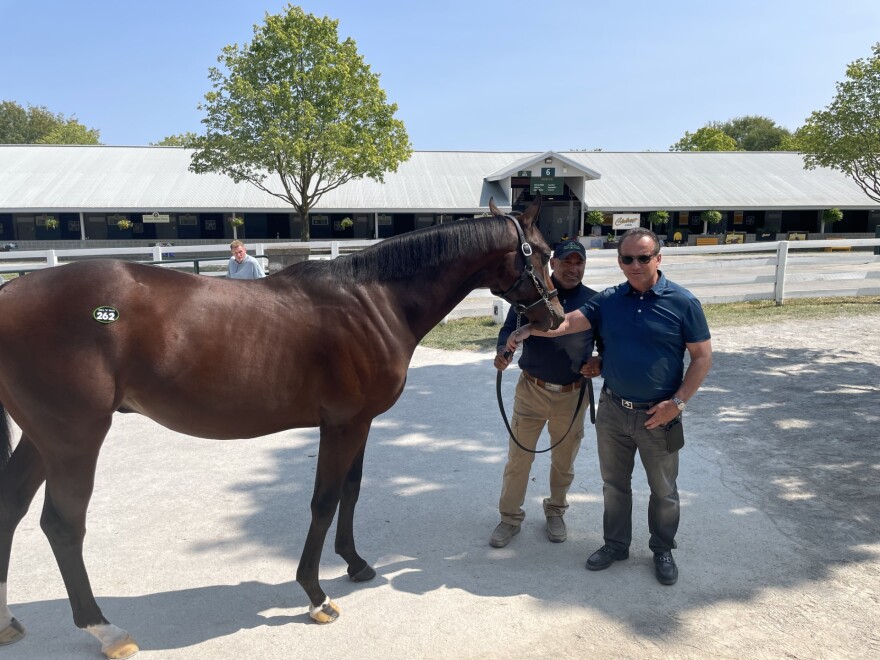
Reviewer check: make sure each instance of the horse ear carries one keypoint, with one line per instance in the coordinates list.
(534, 211)
(492, 208)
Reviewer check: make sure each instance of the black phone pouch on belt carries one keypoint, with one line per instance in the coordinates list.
(674, 435)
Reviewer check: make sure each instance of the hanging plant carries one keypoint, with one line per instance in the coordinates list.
(594, 217)
(236, 221)
(124, 223)
(346, 223)
(658, 217)
(51, 223)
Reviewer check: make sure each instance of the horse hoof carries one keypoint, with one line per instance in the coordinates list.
(328, 612)
(11, 633)
(364, 575)
(124, 648)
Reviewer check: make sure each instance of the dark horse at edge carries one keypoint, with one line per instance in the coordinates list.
(328, 345)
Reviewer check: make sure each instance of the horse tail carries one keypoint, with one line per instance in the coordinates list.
(5, 437)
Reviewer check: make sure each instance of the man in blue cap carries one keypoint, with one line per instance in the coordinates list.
(547, 394)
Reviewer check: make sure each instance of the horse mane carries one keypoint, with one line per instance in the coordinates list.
(401, 257)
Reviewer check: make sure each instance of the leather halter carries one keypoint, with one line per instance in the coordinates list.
(545, 296)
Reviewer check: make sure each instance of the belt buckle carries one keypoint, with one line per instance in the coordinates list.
(553, 387)
(626, 404)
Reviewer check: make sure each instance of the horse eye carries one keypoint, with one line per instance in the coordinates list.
(545, 258)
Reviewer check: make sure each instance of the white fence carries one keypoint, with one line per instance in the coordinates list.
(174, 256)
(760, 271)
(715, 274)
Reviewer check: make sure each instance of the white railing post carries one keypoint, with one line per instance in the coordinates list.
(334, 249)
(51, 258)
(781, 259)
(157, 252)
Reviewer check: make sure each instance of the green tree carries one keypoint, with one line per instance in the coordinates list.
(594, 217)
(747, 133)
(705, 139)
(71, 132)
(659, 218)
(845, 136)
(710, 217)
(298, 104)
(37, 125)
(177, 140)
(756, 133)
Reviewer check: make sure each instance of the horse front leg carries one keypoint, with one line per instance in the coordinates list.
(19, 482)
(339, 446)
(69, 484)
(358, 569)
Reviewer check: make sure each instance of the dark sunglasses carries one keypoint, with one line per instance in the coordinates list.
(643, 258)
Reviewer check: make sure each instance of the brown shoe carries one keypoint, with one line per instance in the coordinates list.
(556, 529)
(502, 534)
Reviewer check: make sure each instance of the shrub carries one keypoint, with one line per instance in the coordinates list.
(712, 217)
(594, 217)
(832, 215)
(658, 217)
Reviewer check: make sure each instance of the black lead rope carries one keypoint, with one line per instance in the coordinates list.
(584, 381)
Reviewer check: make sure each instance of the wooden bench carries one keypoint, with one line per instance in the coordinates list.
(838, 248)
(705, 240)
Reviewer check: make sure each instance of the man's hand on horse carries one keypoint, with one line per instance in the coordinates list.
(517, 337)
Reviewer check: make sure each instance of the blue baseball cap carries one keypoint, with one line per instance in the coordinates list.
(568, 247)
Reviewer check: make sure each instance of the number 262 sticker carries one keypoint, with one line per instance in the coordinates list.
(105, 314)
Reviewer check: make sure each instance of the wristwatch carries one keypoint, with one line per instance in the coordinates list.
(679, 402)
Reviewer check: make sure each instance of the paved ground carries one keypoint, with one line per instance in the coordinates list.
(193, 544)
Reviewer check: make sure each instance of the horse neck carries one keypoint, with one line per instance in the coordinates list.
(431, 291)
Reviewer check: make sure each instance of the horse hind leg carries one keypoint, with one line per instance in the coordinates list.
(69, 484)
(358, 569)
(19, 481)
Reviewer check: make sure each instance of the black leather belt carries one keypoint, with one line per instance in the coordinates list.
(626, 403)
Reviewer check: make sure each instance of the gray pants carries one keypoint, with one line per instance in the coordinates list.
(619, 433)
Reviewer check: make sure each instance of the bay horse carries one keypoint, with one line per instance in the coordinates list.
(328, 345)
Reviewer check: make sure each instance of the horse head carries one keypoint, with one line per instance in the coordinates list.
(529, 288)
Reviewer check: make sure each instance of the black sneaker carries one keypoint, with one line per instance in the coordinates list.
(665, 568)
(605, 556)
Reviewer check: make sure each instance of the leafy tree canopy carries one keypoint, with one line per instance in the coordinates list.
(705, 139)
(297, 113)
(756, 133)
(37, 125)
(177, 140)
(748, 133)
(845, 136)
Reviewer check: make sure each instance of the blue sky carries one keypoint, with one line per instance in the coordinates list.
(482, 75)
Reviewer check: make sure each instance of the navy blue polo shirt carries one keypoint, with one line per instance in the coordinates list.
(558, 359)
(645, 336)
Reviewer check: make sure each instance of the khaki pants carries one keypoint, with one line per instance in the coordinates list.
(533, 408)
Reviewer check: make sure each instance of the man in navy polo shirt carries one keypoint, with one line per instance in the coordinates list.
(646, 325)
(547, 394)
